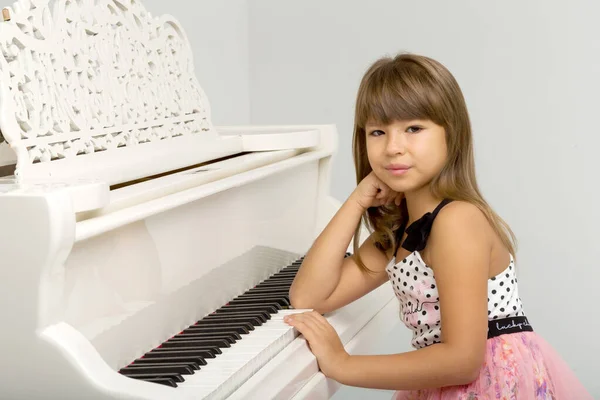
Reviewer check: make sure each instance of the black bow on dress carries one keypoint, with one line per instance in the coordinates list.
(418, 232)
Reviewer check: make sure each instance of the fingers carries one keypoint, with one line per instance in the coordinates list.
(384, 195)
(390, 197)
(302, 325)
(383, 192)
(310, 322)
(317, 321)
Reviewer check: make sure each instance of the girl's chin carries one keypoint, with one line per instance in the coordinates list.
(404, 188)
(398, 185)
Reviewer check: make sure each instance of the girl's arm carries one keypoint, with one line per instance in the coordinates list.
(459, 251)
(327, 281)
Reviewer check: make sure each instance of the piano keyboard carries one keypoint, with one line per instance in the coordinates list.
(218, 353)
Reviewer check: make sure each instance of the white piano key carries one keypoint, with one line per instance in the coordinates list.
(230, 369)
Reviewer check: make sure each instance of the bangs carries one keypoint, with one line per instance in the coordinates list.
(391, 93)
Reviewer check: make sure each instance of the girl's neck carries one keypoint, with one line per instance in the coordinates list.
(420, 202)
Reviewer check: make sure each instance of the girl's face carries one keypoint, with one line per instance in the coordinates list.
(406, 155)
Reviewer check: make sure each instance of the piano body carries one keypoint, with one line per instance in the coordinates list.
(144, 252)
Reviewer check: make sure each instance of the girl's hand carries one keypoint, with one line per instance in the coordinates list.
(372, 192)
(322, 339)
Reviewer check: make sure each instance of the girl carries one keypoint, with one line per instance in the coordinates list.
(448, 255)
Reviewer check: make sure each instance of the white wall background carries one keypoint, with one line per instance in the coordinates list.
(530, 74)
(218, 34)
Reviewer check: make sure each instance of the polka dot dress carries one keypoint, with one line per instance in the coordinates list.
(415, 287)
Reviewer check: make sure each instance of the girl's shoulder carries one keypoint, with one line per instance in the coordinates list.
(459, 212)
(459, 227)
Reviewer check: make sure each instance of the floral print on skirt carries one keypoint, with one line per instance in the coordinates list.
(518, 366)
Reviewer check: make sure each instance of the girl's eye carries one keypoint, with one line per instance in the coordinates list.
(376, 132)
(414, 129)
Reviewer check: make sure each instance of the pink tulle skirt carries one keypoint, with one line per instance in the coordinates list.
(521, 366)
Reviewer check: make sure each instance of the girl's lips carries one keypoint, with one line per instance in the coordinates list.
(397, 169)
(397, 166)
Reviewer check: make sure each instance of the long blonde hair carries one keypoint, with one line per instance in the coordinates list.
(411, 86)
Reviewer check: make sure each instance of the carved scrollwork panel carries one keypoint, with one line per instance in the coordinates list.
(79, 77)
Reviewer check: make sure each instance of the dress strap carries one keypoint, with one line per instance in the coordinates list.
(399, 233)
(418, 232)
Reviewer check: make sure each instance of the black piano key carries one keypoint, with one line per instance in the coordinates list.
(282, 278)
(241, 328)
(260, 300)
(206, 352)
(189, 349)
(218, 332)
(232, 320)
(195, 343)
(261, 292)
(273, 285)
(286, 273)
(214, 330)
(277, 280)
(191, 336)
(221, 319)
(274, 305)
(269, 286)
(263, 315)
(157, 370)
(290, 270)
(289, 273)
(220, 324)
(192, 365)
(272, 308)
(143, 376)
(277, 291)
(162, 381)
(267, 292)
(253, 295)
(280, 290)
(170, 360)
(285, 279)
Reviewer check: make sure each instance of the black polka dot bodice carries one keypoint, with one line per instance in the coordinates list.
(415, 287)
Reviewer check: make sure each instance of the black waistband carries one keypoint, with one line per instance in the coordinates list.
(508, 325)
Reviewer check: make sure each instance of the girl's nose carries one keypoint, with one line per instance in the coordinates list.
(396, 143)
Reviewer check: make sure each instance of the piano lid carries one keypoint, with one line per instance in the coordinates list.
(104, 90)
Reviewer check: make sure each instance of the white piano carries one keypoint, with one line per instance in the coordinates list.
(144, 252)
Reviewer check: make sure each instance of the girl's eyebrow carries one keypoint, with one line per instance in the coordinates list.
(407, 123)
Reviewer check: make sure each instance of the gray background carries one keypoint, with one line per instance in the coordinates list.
(529, 72)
